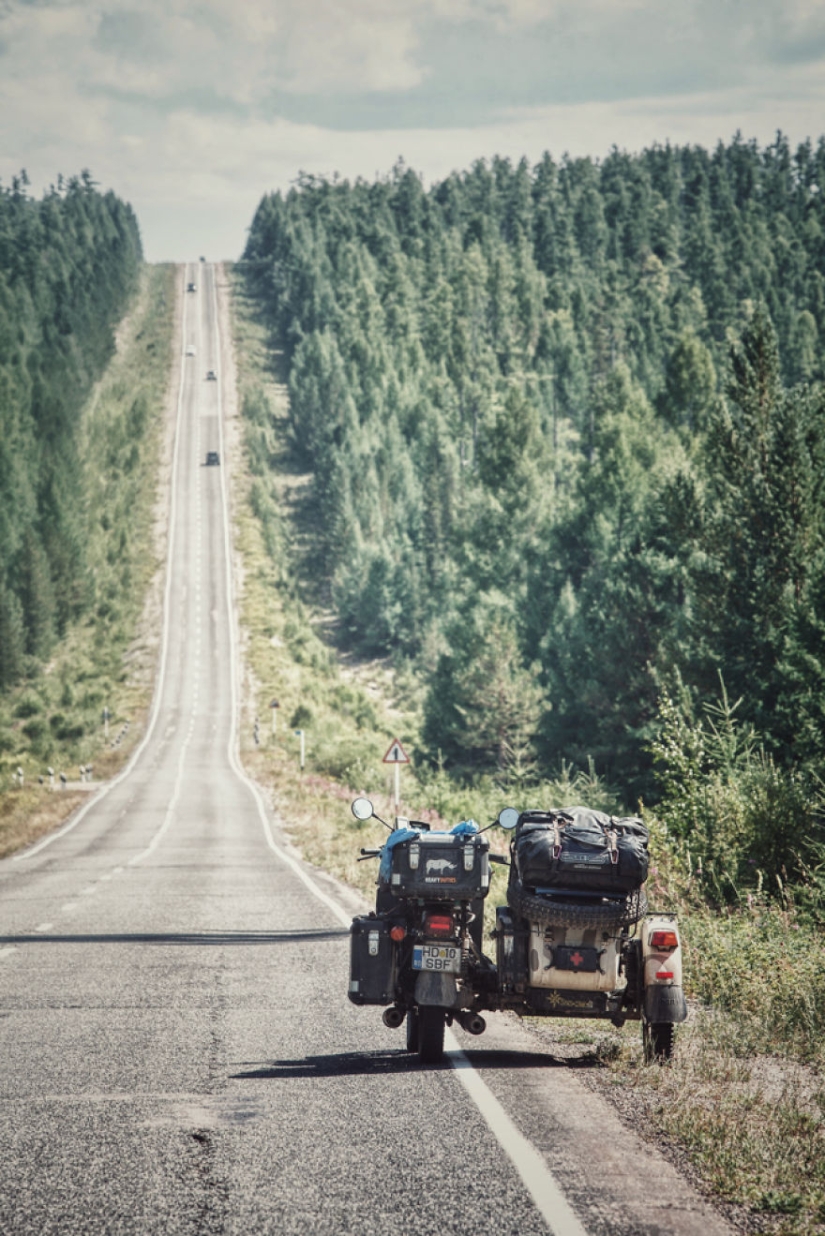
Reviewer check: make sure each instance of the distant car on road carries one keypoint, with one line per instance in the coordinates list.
(211, 376)
(190, 349)
(212, 459)
(203, 259)
(191, 287)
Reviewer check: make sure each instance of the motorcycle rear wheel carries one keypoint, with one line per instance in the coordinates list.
(431, 1034)
(412, 1030)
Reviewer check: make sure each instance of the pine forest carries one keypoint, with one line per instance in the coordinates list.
(564, 425)
(69, 264)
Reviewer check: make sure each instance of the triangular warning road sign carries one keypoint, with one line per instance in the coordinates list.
(396, 754)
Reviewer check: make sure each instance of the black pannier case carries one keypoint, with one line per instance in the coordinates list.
(441, 866)
(577, 848)
(371, 968)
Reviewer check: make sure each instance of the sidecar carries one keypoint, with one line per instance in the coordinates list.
(576, 938)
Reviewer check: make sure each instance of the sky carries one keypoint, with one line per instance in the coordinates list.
(193, 109)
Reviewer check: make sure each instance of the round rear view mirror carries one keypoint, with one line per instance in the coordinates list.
(362, 809)
(508, 817)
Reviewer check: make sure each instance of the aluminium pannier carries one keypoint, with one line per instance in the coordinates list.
(450, 866)
(372, 961)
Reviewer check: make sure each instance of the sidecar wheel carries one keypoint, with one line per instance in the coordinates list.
(430, 1034)
(412, 1030)
(657, 1037)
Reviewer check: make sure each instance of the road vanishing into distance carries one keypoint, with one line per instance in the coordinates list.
(177, 1051)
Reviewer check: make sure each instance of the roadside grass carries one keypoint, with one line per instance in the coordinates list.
(746, 1092)
(741, 1105)
(750, 1126)
(743, 1100)
(106, 661)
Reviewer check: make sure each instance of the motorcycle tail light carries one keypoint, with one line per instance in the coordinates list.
(440, 924)
(397, 934)
(664, 974)
(664, 939)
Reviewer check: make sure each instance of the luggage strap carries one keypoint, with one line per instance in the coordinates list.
(613, 842)
(557, 836)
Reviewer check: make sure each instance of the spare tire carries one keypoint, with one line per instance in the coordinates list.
(561, 913)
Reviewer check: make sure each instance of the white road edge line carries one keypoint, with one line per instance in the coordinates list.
(153, 716)
(529, 1163)
(531, 1167)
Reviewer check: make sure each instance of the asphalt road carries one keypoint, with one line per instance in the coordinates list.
(177, 1052)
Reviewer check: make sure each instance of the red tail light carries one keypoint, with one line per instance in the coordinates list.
(664, 974)
(664, 939)
(440, 924)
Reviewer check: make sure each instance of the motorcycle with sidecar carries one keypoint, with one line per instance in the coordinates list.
(575, 939)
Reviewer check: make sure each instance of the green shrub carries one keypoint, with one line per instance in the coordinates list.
(768, 970)
(29, 705)
(65, 728)
(727, 809)
(37, 731)
(302, 718)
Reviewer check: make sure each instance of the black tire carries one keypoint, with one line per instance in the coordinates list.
(431, 1034)
(657, 1037)
(575, 914)
(412, 1030)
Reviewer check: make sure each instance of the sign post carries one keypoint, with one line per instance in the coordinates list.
(396, 755)
(300, 735)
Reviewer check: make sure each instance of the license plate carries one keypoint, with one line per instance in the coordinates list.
(444, 957)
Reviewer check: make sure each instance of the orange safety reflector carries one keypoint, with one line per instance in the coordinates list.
(664, 974)
(397, 933)
(664, 939)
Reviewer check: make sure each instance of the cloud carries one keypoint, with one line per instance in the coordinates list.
(386, 63)
(193, 108)
(130, 35)
(347, 46)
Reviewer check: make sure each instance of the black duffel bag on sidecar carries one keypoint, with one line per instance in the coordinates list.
(577, 848)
